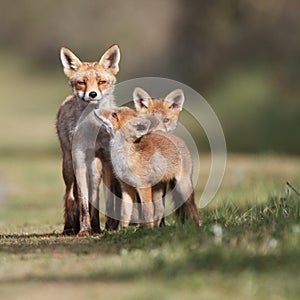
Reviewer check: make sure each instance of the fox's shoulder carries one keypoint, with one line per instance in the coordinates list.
(157, 139)
(70, 100)
(165, 139)
(67, 107)
(67, 113)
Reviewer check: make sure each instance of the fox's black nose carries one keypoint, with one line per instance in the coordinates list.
(93, 94)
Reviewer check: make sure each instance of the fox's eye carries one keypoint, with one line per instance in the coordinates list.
(114, 115)
(102, 82)
(166, 120)
(81, 82)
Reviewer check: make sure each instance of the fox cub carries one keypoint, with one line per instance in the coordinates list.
(92, 84)
(165, 110)
(142, 159)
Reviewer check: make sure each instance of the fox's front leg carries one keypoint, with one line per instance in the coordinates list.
(71, 213)
(95, 168)
(158, 194)
(112, 197)
(83, 197)
(128, 195)
(145, 194)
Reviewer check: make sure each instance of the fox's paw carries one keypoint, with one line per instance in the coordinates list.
(83, 233)
(111, 224)
(197, 219)
(68, 231)
(149, 225)
(96, 230)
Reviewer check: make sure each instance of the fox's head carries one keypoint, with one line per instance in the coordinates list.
(166, 110)
(91, 81)
(124, 121)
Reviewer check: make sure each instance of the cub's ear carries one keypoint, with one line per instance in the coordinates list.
(110, 59)
(70, 61)
(175, 99)
(140, 98)
(139, 127)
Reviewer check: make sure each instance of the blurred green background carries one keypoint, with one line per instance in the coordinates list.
(242, 56)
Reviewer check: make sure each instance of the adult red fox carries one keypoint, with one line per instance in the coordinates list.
(92, 85)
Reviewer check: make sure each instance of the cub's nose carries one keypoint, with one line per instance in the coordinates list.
(93, 94)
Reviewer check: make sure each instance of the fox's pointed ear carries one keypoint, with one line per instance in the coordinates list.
(175, 99)
(110, 59)
(69, 61)
(139, 127)
(140, 98)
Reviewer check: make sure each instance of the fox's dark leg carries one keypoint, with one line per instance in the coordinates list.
(76, 207)
(189, 210)
(69, 200)
(112, 198)
(117, 194)
(192, 209)
(95, 179)
(158, 195)
(185, 199)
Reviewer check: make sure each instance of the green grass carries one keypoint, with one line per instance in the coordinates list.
(247, 247)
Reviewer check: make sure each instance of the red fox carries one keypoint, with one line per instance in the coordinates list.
(92, 85)
(143, 159)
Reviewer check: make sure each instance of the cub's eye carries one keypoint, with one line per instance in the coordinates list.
(102, 82)
(166, 120)
(114, 115)
(81, 82)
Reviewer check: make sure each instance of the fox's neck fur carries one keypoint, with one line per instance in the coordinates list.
(85, 110)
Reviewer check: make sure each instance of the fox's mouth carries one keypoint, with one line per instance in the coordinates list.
(89, 100)
(89, 97)
(104, 121)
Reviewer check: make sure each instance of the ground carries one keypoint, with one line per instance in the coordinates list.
(247, 247)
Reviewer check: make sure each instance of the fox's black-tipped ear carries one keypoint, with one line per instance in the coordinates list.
(175, 99)
(69, 60)
(140, 98)
(110, 59)
(139, 127)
